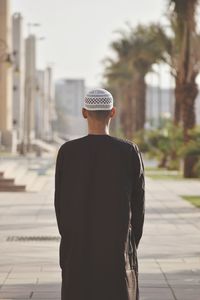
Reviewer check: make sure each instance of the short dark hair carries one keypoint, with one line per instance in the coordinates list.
(99, 114)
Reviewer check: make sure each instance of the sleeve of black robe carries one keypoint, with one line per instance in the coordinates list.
(58, 169)
(138, 195)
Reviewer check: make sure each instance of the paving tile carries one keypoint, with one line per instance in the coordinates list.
(187, 293)
(45, 295)
(13, 295)
(156, 293)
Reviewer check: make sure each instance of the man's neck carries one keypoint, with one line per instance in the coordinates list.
(95, 131)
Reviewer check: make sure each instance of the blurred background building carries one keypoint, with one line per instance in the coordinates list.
(30, 90)
(69, 92)
(69, 95)
(159, 104)
(44, 105)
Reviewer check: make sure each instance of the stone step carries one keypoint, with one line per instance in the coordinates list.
(8, 184)
(19, 171)
(21, 174)
(30, 173)
(31, 178)
(7, 181)
(12, 188)
(8, 167)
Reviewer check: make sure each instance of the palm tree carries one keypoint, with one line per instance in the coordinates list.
(146, 51)
(137, 50)
(119, 79)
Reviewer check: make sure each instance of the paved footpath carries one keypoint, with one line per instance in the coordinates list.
(169, 252)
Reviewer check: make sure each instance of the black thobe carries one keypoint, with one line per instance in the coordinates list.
(99, 204)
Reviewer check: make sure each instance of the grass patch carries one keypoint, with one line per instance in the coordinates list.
(195, 200)
(161, 173)
(152, 168)
(164, 176)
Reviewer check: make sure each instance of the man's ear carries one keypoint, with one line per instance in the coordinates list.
(84, 113)
(113, 112)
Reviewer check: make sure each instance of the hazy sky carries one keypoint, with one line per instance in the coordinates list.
(78, 32)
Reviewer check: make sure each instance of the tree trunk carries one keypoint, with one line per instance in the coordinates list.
(163, 162)
(128, 120)
(186, 88)
(190, 92)
(178, 98)
(140, 101)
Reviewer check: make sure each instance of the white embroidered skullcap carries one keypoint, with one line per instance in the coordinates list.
(98, 99)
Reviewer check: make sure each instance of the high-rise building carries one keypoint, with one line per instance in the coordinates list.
(44, 105)
(30, 89)
(159, 104)
(40, 104)
(50, 90)
(70, 94)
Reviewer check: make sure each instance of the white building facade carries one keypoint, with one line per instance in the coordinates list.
(30, 89)
(69, 93)
(44, 105)
(69, 96)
